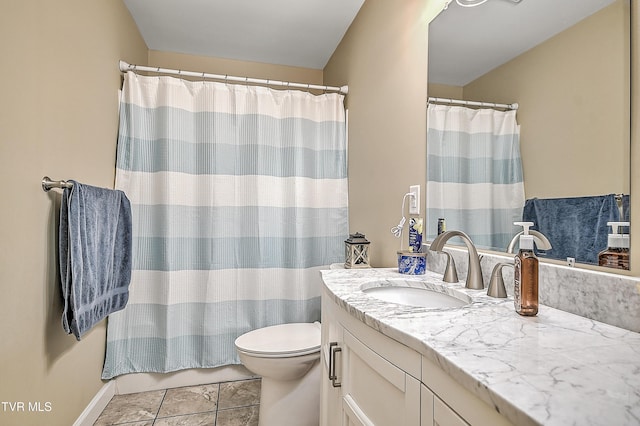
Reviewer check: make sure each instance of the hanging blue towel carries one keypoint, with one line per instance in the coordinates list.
(95, 255)
(576, 227)
(626, 210)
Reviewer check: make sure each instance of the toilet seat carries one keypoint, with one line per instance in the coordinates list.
(279, 341)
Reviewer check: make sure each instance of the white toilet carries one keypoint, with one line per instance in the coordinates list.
(287, 356)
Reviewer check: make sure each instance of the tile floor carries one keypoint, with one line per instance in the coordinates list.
(217, 404)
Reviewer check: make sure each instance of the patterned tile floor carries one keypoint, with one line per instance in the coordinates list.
(217, 404)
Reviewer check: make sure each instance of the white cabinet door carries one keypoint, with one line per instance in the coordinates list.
(460, 407)
(331, 359)
(426, 406)
(445, 416)
(374, 391)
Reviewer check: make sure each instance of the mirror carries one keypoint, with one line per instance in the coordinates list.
(567, 65)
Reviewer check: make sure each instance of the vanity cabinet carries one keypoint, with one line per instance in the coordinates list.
(360, 386)
(370, 379)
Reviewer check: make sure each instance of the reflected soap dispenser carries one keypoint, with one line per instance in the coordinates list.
(525, 276)
(617, 253)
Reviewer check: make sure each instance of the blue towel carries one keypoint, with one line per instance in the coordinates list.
(576, 227)
(626, 210)
(95, 255)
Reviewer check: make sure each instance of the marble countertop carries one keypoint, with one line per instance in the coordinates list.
(555, 368)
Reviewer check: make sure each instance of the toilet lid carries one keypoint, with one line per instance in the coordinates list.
(284, 339)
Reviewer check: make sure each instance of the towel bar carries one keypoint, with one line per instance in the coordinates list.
(47, 184)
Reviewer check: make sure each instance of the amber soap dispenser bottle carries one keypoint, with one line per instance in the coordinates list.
(525, 285)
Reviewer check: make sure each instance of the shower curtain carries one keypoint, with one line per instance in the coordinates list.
(239, 197)
(474, 173)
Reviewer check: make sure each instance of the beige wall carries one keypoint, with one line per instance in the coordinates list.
(446, 91)
(383, 58)
(58, 117)
(233, 67)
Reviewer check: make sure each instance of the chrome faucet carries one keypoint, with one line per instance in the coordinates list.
(474, 273)
(542, 242)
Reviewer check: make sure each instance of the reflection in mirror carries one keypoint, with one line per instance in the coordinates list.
(567, 66)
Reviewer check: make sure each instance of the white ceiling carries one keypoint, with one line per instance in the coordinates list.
(467, 42)
(285, 32)
(464, 43)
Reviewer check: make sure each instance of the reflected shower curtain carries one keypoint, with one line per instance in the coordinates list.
(239, 197)
(474, 173)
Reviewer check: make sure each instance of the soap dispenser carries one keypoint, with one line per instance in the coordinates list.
(617, 253)
(525, 284)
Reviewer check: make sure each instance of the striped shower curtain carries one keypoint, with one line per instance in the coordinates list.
(239, 197)
(474, 173)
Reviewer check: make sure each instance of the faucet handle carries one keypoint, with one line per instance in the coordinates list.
(450, 272)
(496, 284)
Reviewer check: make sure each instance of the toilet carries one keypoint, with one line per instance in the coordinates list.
(287, 356)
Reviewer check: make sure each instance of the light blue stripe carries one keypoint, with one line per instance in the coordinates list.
(142, 347)
(178, 254)
(236, 129)
(226, 159)
(154, 139)
(451, 143)
(488, 229)
(235, 222)
(478, 170)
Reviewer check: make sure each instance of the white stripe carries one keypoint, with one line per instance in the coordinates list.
(198, 96)
(468, 120)
(477, 195)
(169, 288)
(227, 190)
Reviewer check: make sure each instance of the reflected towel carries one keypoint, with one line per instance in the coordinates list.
(576, 227)
(626, 210)
(95, 255)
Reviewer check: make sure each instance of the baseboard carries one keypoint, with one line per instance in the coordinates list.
(97, 405)
(142, 382)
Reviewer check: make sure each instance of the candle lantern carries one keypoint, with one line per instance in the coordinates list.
(356, 249)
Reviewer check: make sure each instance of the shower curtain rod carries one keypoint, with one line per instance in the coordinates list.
(513, 106)
(124, 67)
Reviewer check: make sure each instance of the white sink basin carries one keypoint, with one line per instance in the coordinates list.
(416, 296)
